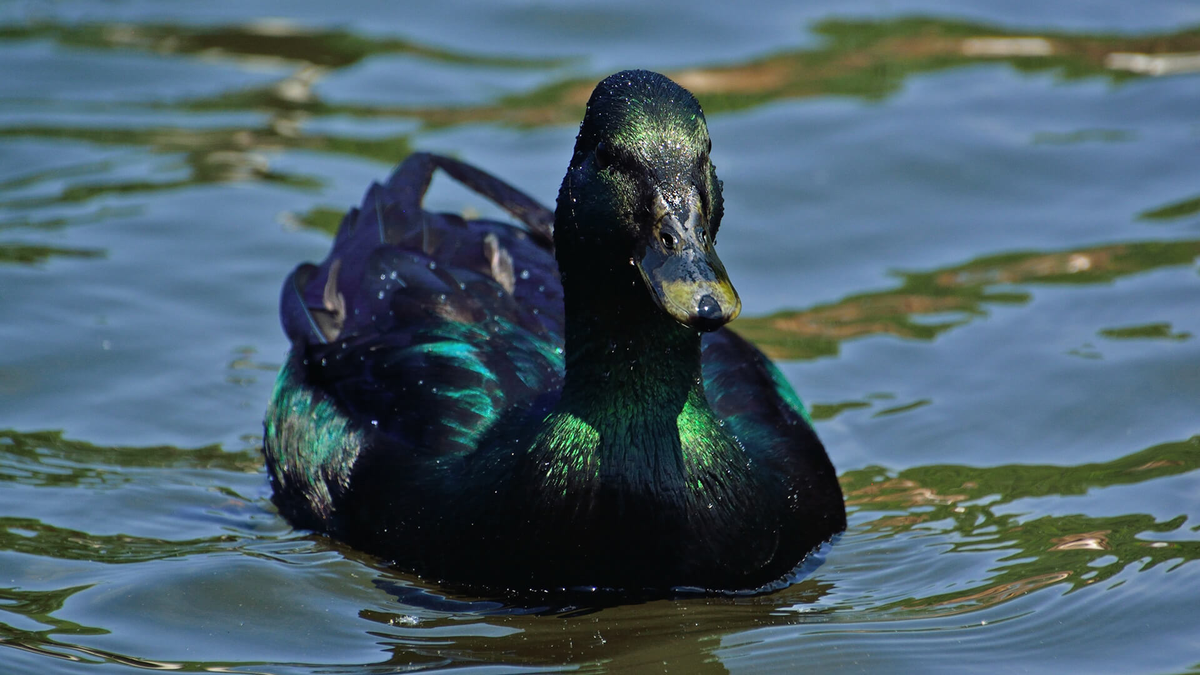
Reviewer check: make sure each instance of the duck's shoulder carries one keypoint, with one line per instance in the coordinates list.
(743, 383)
(417, 333)
(757, 404)
(760, 409)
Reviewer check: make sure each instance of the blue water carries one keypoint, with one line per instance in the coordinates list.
(975, 257)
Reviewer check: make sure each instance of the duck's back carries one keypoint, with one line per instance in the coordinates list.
(409, 341)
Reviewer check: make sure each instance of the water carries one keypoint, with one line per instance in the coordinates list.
(975, 258)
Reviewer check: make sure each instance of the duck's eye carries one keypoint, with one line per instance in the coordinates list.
(708, 145)
(669, 240)
(701, 236)
(603, 156)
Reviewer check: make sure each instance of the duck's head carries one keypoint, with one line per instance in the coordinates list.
(642, 191)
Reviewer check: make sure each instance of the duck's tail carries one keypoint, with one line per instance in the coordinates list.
(313, 306)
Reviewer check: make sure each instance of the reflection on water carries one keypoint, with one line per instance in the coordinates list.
(1187, 207)
(152, 556)
(45, 457)
(952, 296)
(33, 254)
(1160, 331)
(277, 40)
(954, 510)
(210, 155)
(1038, 551)
(857, 58)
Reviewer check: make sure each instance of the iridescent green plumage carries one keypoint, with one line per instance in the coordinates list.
(539, 407)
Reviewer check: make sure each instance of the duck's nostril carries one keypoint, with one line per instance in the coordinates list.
(708, 309)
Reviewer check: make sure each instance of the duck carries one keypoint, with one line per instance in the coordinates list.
(555, 402)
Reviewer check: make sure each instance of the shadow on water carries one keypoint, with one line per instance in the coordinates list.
(957, 507)
(957, 510)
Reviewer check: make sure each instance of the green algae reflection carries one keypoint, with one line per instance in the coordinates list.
(1150, 331)
(1180, 209)
(48, 459)
(955, 295)
(1037, 549)
(274, 39)
(864, 59)
(34, 254)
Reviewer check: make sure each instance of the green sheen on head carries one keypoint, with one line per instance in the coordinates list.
(637, 111)
(641, 187)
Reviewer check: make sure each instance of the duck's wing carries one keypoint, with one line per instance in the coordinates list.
(742, 383)
(424, 327)
(758, 406)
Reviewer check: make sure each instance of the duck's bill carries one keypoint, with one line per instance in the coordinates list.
(691, 285)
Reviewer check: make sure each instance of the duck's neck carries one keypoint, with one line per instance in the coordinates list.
(620, 345)
(633, 378)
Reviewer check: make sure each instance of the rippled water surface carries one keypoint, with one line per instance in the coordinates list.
(968, 231)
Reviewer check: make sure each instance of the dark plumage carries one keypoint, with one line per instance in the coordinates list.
(460, 402)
